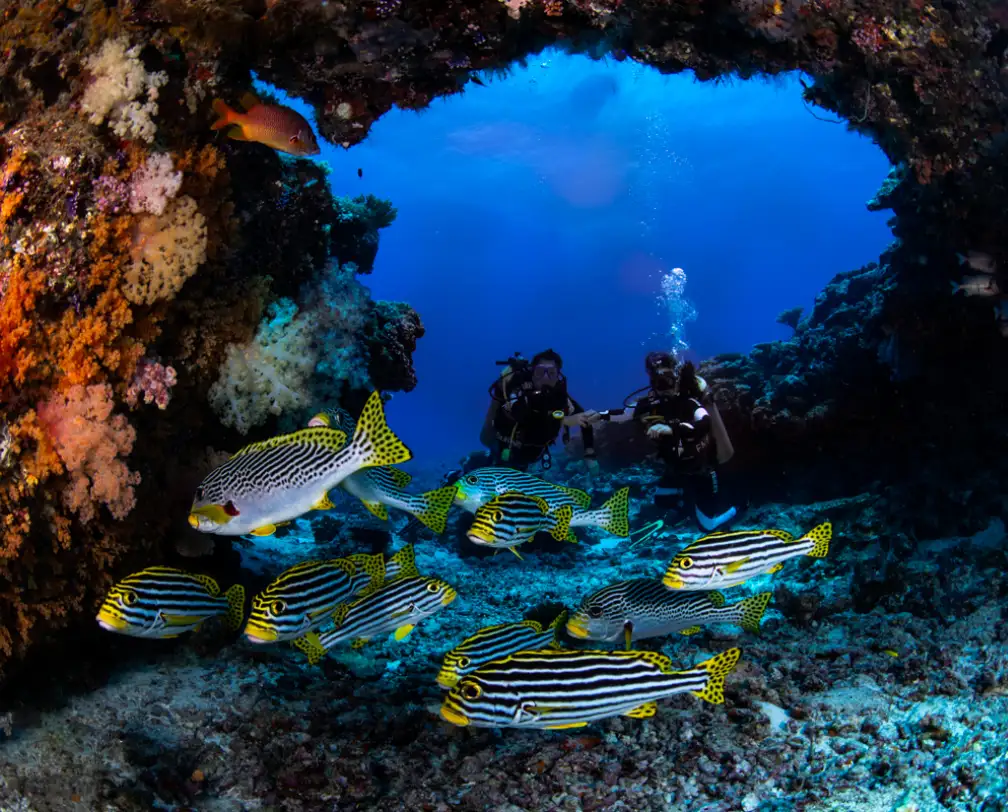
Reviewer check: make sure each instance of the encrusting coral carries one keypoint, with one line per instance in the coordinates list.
(138, 250)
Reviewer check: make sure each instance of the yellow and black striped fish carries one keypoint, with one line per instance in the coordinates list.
(384, 487)
(644, 607)
(562, 689)
(166, 602)
(728, 559)
(269, 483)
(303, 597)
(481, 485)
(397, 606)
(494, 642)
(513, 518)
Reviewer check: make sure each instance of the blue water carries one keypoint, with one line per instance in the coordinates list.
(546, 206)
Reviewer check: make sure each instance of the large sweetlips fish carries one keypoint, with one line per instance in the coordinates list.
(269, 483)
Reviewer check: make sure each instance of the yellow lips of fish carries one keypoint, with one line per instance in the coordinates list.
(449, 714)
(577, 628)
(449, 595)
(110, 620)
(479, 534)
(257, 634)
(214, 513)
(673, 581)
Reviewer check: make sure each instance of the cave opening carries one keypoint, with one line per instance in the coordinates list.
(565, 201)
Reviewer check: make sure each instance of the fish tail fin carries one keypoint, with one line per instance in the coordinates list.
(716, 668)
(376, 443)
(557, 625)
(226, 116)
(311, 646)
(751, 611)
(956, 287)
(561, 524)
(432, 507)
(617, 513)
(820, 535)
(235, 597)
(402, 564)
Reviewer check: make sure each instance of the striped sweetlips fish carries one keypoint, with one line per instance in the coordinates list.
(166, 602)
(644, 607)
(731, 558)
(512, 518)
(479, 486)
(398, 606)
(304, 597)
(562, 689)
(494, 642)
(384, 487)
(271, 482)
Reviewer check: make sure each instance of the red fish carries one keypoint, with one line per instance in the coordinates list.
(278, 127)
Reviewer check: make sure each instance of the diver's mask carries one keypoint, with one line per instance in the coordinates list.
(545, 375)
(661, 369)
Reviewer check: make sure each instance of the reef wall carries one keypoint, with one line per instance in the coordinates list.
(150, 271)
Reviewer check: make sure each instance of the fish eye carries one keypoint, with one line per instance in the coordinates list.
(129, 598)
(277, 608)
(594, 611)
(295, 138)
(463, 662)
(471, 691)
(685, 562)
(497, 515)
(230, 509)
(433, 587)
(471, 480)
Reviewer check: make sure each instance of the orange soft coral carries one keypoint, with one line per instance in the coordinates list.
(90, 440)
(17, 321)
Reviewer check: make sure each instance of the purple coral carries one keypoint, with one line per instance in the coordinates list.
(110, 194)
(154, 381)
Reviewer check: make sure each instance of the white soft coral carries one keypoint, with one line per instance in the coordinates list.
(122, 91)
(268, 375)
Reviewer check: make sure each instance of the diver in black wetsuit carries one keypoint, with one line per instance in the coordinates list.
(682, 429)
(530, 408)
(687, 437)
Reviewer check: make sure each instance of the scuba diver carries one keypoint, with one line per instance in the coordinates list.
(690, 438)
(529, 409)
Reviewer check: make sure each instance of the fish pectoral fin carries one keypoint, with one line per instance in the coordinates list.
(404, 631)
(236, 133)
(265, 530)
(645, 711)
(735, 566)
(566, 726)
(324, 503)
(690, 630)
(776, 568)
(377, 509)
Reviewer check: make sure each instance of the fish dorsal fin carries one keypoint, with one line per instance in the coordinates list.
(581, 499)
(559, 622)
(400, 478)
(534, 625)
(541, 503)
(783, 535)
(716, 598)
(248, 100)
(332, 439)
(211, 585)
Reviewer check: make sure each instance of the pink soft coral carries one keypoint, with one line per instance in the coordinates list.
(89, 440)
